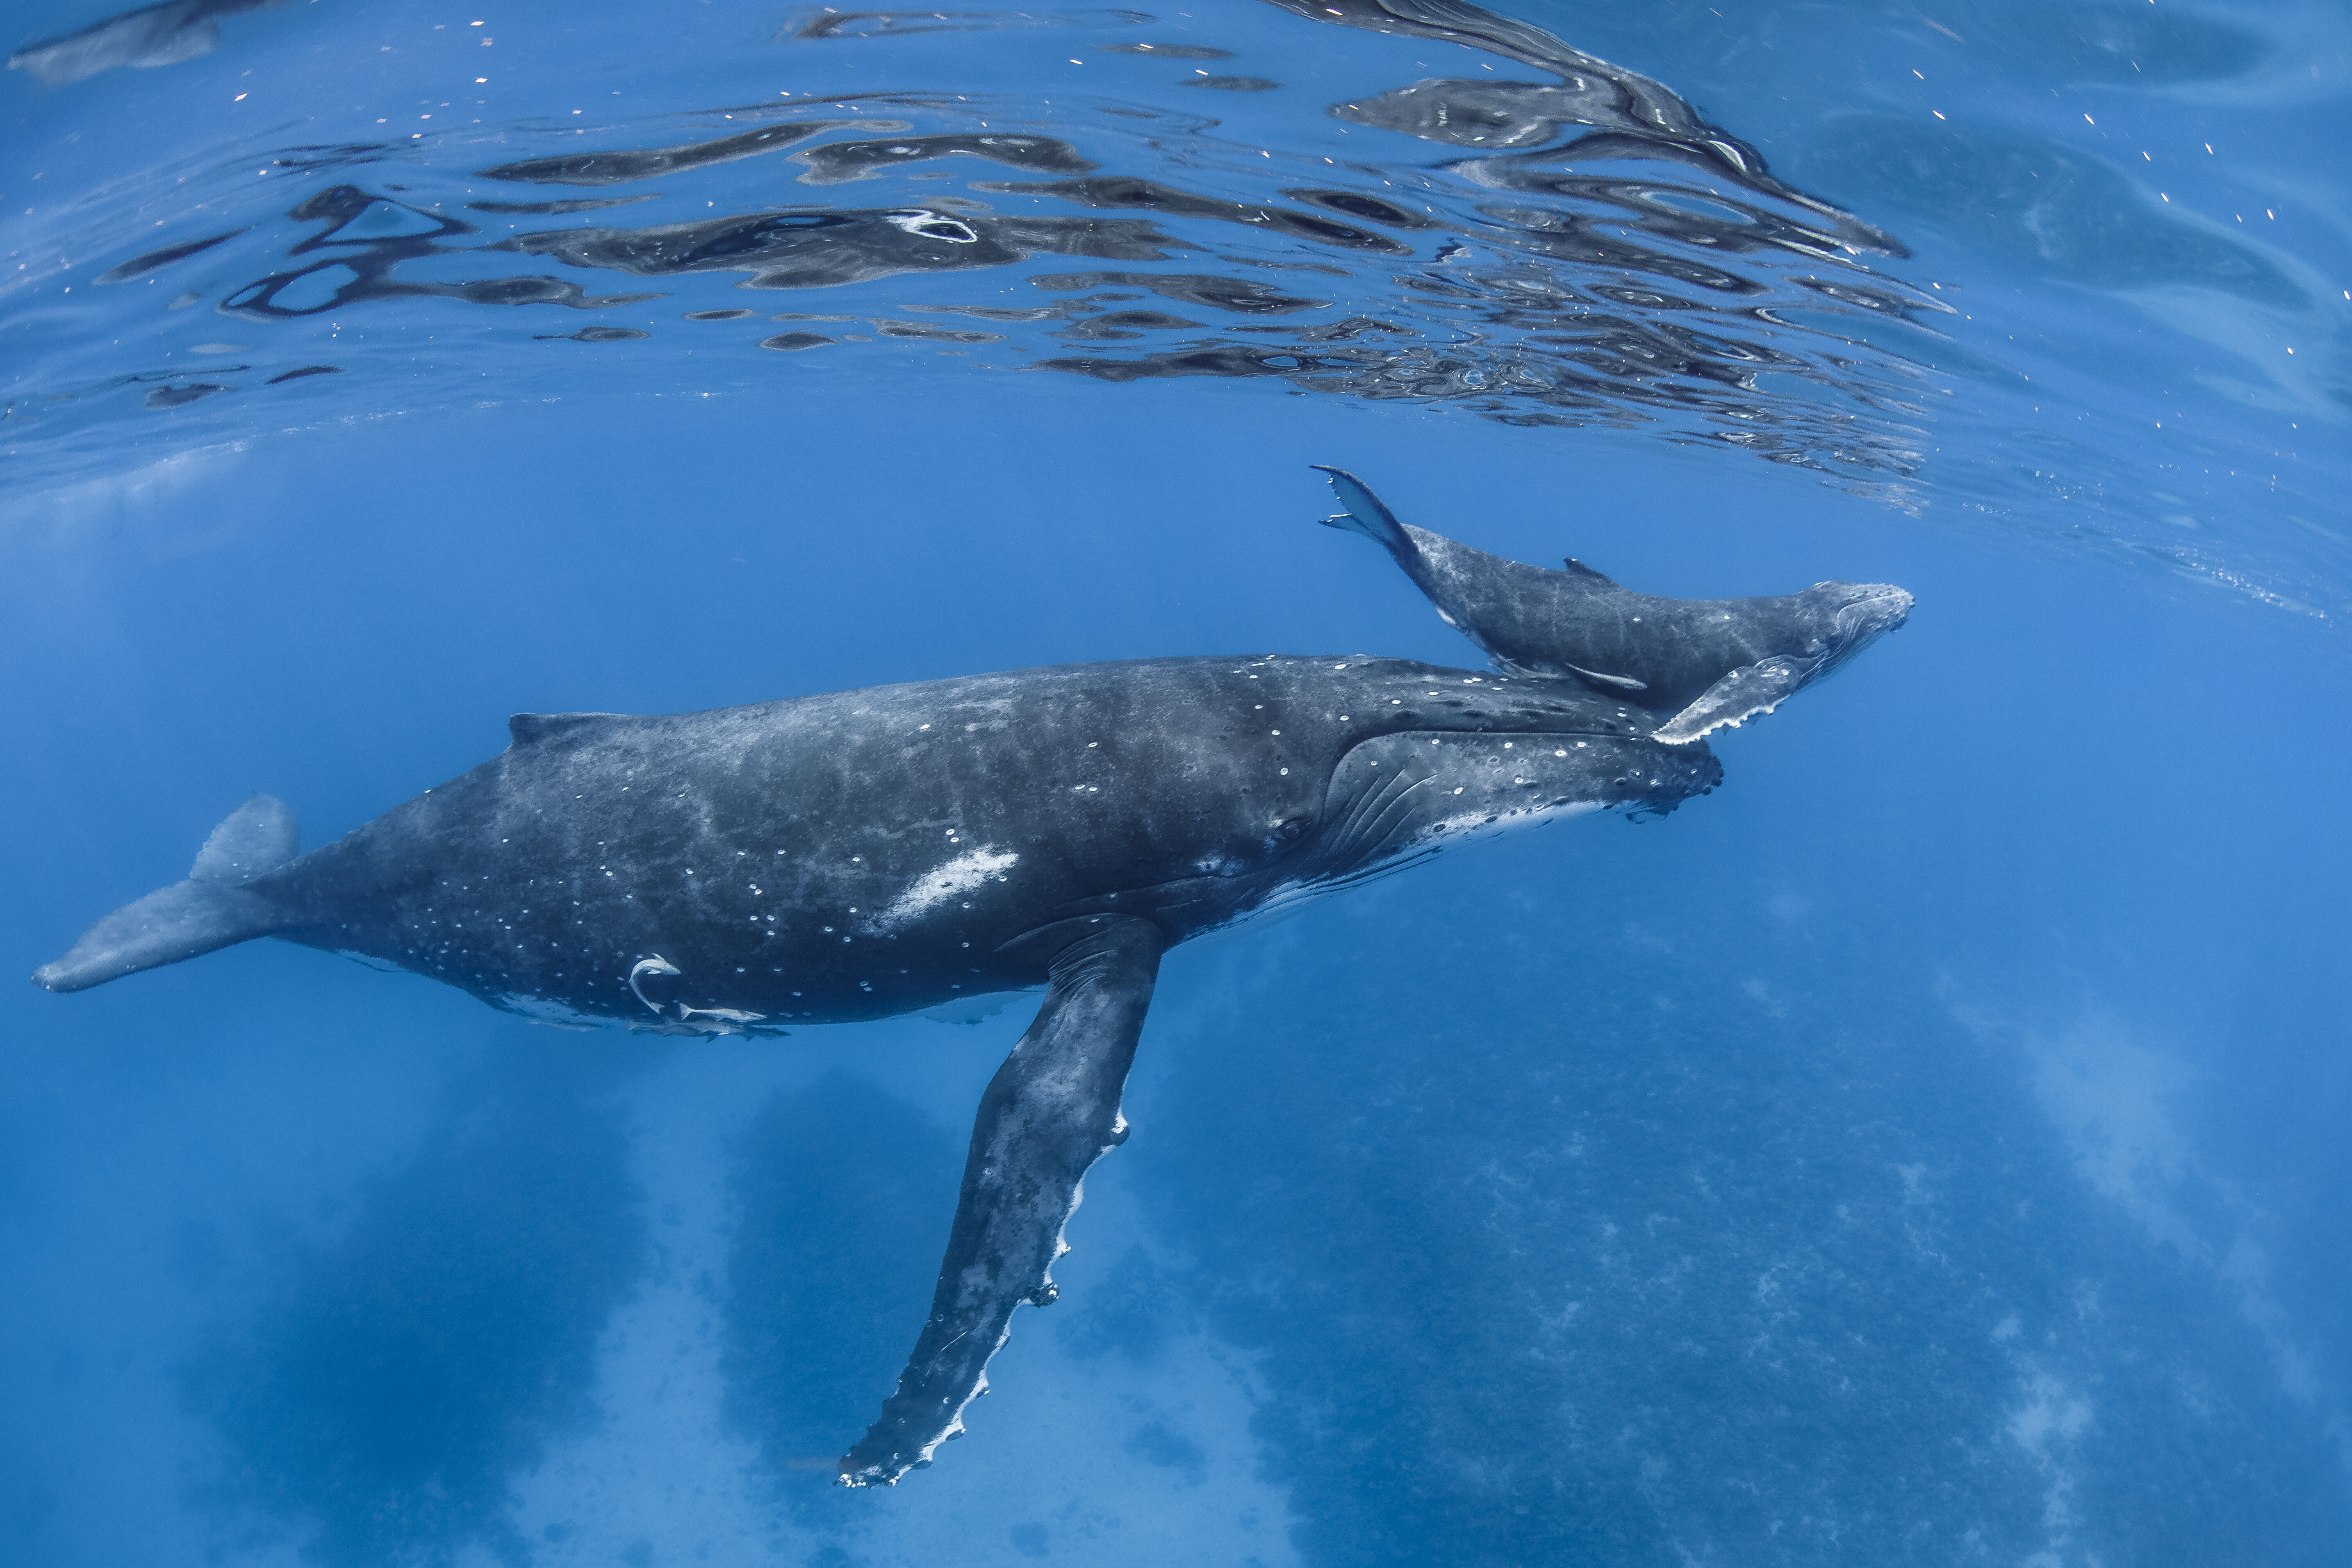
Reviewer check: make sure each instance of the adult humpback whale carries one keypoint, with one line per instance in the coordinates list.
(1698, 664)
(862, 853)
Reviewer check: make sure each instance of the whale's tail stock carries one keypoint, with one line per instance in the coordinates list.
(212, 909)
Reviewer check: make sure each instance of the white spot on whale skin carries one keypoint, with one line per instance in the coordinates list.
(938, 886)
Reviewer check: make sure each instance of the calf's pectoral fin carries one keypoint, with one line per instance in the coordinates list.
(1049, 1113)
(1750, 690)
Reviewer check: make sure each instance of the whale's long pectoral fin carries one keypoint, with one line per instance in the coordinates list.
(1750, 690)
(1050, 1112)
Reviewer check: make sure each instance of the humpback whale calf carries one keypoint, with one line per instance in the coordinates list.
(862, 853)
(1698, 664)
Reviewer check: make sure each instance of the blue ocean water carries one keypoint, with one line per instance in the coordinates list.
(1927, 1149)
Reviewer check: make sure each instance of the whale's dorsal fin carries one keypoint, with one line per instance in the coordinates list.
(528, 728)
(1578, 569)
(1367, 514)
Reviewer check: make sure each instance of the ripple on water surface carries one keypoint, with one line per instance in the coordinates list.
(1588, 250)
(1416, 202)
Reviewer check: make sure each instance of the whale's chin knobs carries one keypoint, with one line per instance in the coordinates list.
(1051, 1111)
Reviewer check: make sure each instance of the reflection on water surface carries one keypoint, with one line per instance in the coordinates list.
(1587, 249)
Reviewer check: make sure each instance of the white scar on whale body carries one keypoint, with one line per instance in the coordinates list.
(958, 876)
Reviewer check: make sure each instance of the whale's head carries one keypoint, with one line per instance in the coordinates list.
(1811, 634)
(1841, 619)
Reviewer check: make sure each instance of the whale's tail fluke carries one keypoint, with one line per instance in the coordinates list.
(212, 909)
(1367, 514)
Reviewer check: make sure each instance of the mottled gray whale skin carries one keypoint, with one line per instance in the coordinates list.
(1695, 664)
(868, 852)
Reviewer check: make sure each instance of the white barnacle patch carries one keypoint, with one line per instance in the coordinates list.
(943, 883)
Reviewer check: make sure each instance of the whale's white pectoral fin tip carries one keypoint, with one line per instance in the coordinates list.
(1741, 695)
(1043, 1120)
